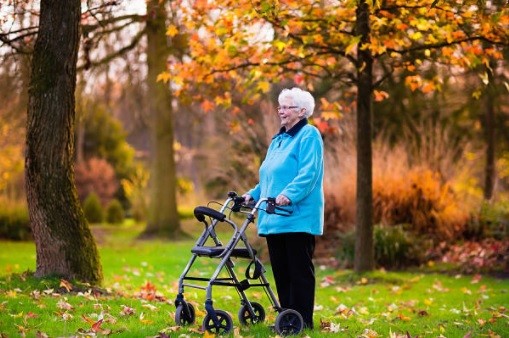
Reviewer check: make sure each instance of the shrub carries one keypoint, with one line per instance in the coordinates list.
(422, 200)
(394, 248)
(98, 176)
(492, 221)
(92, 208)
(397, 248)
(14, 221)
(135, 189)
(115, 212)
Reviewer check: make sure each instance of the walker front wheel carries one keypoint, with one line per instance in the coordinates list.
(224, 323)
(246, 318)
(289, 322)
(185, 316)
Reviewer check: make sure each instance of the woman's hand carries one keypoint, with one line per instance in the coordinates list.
(282, 200)
(247, 198)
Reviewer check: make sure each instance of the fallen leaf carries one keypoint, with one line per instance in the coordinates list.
(64, 305)
(150, 307)
(65, 284)
(88, 319)
(207, 334)
(127, 311)
(476, 279)
(31, 315)
(403, 317)
(96, 327)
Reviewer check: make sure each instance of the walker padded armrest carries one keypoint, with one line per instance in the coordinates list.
(201, 212)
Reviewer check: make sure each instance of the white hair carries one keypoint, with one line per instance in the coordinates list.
(300, 97)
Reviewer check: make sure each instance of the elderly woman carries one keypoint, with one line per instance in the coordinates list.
(293, 173)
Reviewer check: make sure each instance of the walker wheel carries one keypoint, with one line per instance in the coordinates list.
(225, 323)
(289, 322)
(245, 318)
(183, 317)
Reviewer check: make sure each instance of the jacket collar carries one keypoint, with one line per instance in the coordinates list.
(295, 129)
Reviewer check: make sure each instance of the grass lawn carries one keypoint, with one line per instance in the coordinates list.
(140, 285)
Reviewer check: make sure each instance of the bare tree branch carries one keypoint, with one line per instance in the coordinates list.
(136, 39)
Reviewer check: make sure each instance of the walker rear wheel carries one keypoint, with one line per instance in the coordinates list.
(246, 318)
(183, 317)
(289, 322)
(225, 323)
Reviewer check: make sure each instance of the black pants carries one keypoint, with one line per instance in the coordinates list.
(291, 259)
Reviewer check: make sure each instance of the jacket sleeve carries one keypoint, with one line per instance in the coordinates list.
(255, 192)
(310, 168)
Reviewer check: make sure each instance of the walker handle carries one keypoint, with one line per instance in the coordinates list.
(273, 208)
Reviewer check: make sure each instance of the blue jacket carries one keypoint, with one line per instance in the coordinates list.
(293, 167)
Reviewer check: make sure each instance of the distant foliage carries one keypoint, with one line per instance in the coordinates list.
(106, 138)
(14, 221)
(92, 208)
(115, 212)
(96, 175)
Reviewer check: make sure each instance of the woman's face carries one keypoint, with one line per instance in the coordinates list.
(289, 113)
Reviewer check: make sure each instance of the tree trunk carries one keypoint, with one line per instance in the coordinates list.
(64, 243)
(489, 134)
(364, 249)
(163, 216)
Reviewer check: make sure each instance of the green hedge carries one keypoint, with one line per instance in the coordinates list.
(14, 222)
(92, 208)
(115, 212)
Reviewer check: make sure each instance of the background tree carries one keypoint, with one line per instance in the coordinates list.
(64, 243)
(240, 47)
(163, 216)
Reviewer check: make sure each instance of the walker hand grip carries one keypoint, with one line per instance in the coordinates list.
(238, 203)
(273, 208)
(201, 212)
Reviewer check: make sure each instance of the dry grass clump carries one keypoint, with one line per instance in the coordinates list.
(422, 200)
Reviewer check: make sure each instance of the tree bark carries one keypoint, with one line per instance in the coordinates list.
(489, 134)
(364, 247)
(64, 243)
(163, 216)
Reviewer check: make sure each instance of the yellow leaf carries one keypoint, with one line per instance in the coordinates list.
(416, 36)
(264, 86)
(172, 31)
(353, 44)
(466, 291)
(11, 294)
(207, 334)
(164, 76)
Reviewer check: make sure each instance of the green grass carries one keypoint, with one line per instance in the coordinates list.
(377, 304)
